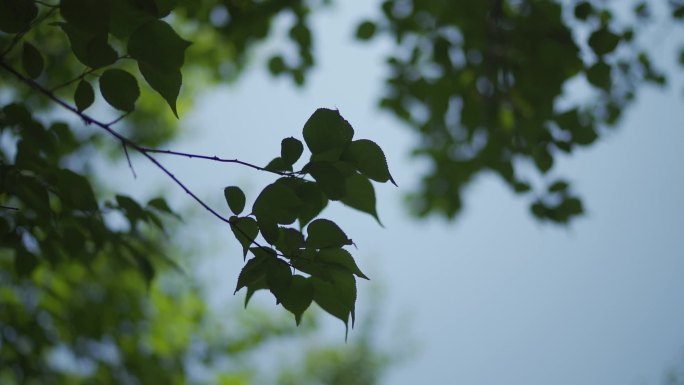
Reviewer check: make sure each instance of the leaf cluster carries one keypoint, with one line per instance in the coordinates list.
(309, 262)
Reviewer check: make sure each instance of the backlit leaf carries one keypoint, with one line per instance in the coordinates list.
(31, 61)
(120, 89)
(340, 258)
(360, 195)
(369, 159)
(16, 15)
(84, 95)
(166, 83)
(329, 179)
(278, 277)
(235, 199)
(245, 230)
(90, 16)
(252, 272)
(298, 297)
(325, 130)
(314, 201)
(158, 46)
(324, 233)
(337, 297)
(290, 150)
(277, 203)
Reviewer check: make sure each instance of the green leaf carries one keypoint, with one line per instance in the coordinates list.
(583, 10)
(158, 46)
(325, 130)
(16, 15)
(337, 297)
(279, 165)
(600, 76)
(254, 270)
(369, 159)
(277, 203)
(160, 204)
(160, 53)
(314, 201)
(290, 150)
(324, 233)
(245, 230)
(298, 297)
(341, 258)
(290, 241)
(278, 277)
(366, 30)
(84, 95)
(276, 65)
(120, 89)
(329, 179)
(558, 186)
(167, 84)
(75, 191)
(31, 61)
(361, 195)
(235, 199)
(603, 41)
(87, 15)
(269, 229)
(91, 50)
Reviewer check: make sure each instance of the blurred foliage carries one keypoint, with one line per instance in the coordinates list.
(486, 85)
(89, 292)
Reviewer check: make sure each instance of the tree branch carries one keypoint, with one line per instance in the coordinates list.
(217, 159)
(146, 152)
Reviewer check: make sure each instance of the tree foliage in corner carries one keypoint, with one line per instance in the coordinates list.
(485, 84)
(50, 212)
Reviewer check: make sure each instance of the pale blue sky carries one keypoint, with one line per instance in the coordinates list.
(494, 297)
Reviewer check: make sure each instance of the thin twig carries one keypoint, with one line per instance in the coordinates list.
(146, 152)
(115, 121)
(128, 158)
(8, 208)
(217, 159)
(69, 82)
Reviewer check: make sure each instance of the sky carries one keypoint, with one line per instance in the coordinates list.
(495, 296)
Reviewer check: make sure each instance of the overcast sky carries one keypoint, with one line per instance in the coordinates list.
(493, 297)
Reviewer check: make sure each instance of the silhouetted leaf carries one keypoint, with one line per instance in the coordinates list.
(120, 89)
(558, 186)
(599, 75)
(360, 195)
(298, 297)
(583, 10)
(369, 159)
(290, 241)
(340, 258)
(365, 30)
(337, 297)
(290, 150)
(314, 201)
(90, 16)
(31, 61)
(91, 50)
(158, 46)
(277, 203)
(278, 164)
(84, 95)
(160, 53)
(245, 230)
(326, 130)
(603, 41)
(324, 233)
(254, 270)
(276, 65)
(329, 179)
(278, 277)
(235, 199)
(16, 15)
